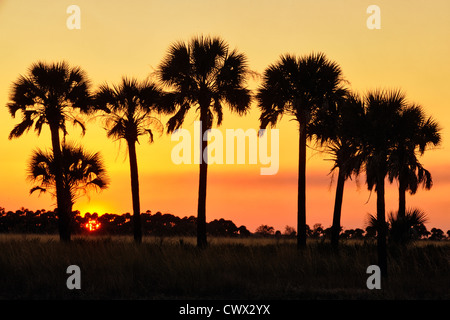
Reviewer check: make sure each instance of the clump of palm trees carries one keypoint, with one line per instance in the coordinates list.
(299, 87)
(379, 133)
(52, 94)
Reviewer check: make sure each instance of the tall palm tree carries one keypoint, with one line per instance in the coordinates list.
(379, 138)
(50, 94)
(82, 171)
(415, 134)
(130, 106)
(337, 128)
(204, 73)
(299, 87)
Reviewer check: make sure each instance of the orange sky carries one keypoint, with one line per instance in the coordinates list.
(118, 38)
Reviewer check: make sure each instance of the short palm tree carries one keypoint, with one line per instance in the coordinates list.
(337, 129)
(131, 105)
(299, 87)
(203, 73)
(82, 172)
(49, 95)
(403, 228)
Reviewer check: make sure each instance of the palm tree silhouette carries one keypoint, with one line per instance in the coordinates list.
(82, 171)
(130, 106)
(299, 87)
(203, 73)
(379, 138)
(337, 128)
(405, 229)
(415, 134)
(50, 94)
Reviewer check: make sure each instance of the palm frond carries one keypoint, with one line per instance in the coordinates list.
(175, 70)
(40, 189)
(233, 72)
(177, 119)
(238, 99)
(24, 94)
(372, 221)
(207, 55)
(430, 132)
(217, 107)
(116, 127)
(22, 127)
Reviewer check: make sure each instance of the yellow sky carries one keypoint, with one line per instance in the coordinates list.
(118, 38)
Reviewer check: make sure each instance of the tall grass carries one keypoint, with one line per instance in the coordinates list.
(173, 268)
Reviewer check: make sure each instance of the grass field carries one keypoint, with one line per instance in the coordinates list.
(34, 267)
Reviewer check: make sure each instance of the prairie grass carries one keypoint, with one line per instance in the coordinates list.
(34, 267)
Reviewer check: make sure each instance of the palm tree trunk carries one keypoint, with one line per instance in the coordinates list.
(137, 228)
(62, 199)
(201, 210)
(301, 197)
(401, 199)
(336, 227)
(382, 228)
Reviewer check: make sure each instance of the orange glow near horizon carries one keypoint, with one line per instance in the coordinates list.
(88, 205)
(117, 39)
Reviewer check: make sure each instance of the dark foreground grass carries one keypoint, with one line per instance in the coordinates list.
(116, 268)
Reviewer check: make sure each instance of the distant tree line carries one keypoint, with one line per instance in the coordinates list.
(162, 225)
(158, 224)
(318, 231)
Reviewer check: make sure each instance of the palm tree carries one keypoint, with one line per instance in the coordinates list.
(205, 74)
(130, 106)
(337, 128)
(50, 94)
(404, 229)
(379, 138)
(415, 134)
(82, 171)
(299, 87)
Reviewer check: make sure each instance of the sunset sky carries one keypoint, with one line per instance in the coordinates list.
(411, 51)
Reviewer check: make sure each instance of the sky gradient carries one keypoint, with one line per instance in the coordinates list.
(117, 38)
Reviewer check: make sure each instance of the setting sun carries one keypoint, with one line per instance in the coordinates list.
(92, 225)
